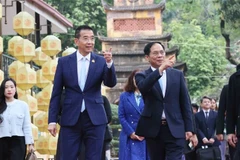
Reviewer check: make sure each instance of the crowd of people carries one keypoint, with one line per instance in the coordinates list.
(157, 118)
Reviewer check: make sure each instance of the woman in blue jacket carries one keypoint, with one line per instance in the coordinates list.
(132, 146)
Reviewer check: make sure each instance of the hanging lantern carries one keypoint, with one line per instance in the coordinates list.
(1, 76)
(42, 105)
(32, 103)
(13, 68)
(49, 69)
(53, 144)
(51, 45)
(68, 51)
(42, 144)
(38, 120)
(26, 77)
(40, 57)
(1, 45)
(41, 80)
(20, 92)
(46, 93)
(24, 50)
(11, 44)
(0, 11)
(34, 132)
(23, 23)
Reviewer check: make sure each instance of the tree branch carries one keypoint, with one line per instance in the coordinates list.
(228, 54)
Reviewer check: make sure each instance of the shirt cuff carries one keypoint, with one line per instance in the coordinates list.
(52, 123)
(109, 65)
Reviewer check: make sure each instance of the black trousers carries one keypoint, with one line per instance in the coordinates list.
(165, 146)
(12, 148)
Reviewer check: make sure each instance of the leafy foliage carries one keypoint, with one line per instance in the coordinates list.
(81, 12)
(195, 29)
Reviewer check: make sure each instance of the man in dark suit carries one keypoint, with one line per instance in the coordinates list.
(166, 120)
(206, 124)
(83, 118)
(233, 112)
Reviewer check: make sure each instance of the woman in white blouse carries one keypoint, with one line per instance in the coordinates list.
(15, 123)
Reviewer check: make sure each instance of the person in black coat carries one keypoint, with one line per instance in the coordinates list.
(221, 118)
(233, 112)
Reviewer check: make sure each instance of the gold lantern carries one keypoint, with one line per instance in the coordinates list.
(26, 77)
(46, 93)
(49, 69)
(31, 101)
(53, 144)
(24, 50)
(13, 68)
(40, 57)
(42, 144)
(20, 92)
(38, 120)
(34, 132)
(42, 105)
(1, 45)
(68, 51)
(1, 76)
(23, 23)
(41, 80)
(11, 44)
(51, 45)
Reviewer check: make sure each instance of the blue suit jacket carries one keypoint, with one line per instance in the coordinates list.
(176, 104)
(129, 114)
(206, 128)
(66, 76)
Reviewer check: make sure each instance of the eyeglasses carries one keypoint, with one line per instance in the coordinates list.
(156, 53)
(87, 39)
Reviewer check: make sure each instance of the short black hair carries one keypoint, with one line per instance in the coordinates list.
(147, 48)
(83, 27)
(238, 67)
(194, 105)
(205, 97)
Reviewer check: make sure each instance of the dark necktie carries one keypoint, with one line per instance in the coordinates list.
(206, 113)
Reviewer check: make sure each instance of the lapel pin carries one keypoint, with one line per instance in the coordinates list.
(93, 61)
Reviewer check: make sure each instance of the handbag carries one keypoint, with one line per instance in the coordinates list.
(208, 153)
(31, 156)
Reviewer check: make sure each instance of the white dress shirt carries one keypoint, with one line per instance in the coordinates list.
(164, 86)
(16, 121)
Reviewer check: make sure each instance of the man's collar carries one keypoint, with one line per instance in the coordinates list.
(79, 56)
(153, 69)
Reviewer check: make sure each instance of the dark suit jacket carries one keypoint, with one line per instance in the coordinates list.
(206, 128)
(66, 76)
(221, 110)
(233, 109)
(176, 104)
(107, 107)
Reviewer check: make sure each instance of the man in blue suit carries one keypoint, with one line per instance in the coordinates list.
(167, 118)
(83, 118)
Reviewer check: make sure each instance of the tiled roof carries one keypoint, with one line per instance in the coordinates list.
(160, 5)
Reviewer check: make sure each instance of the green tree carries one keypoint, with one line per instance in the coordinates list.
(81, 12)
(203, 55)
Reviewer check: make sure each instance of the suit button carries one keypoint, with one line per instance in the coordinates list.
(132, 121)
